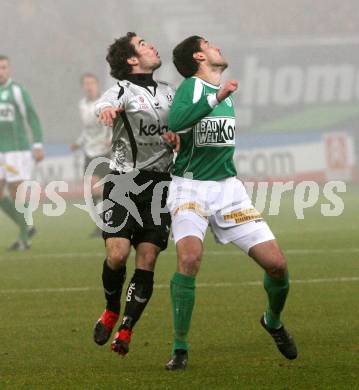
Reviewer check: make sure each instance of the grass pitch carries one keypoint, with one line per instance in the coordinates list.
(51, 296)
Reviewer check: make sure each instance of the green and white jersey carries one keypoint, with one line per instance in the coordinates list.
(207, 131)
(15, 110)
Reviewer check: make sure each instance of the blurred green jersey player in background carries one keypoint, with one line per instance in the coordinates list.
(16, 151)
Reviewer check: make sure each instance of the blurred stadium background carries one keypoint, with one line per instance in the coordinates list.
(297, 62)
(298, 105)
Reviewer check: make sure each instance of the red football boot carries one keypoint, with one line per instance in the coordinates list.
(121, 341)
(103, 327)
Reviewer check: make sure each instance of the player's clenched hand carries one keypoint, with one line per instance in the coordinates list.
(173, 139)
(228, 87)
(108, 114)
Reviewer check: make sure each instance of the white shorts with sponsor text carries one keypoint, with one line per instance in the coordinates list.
(224, 205)
(15, 166)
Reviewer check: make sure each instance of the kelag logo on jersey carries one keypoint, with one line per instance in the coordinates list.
(7, 112)
(213, 131)
(142, 103)
(152, 129)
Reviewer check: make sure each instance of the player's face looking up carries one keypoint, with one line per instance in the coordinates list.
(4, 71)
(210, 55)
(90, 87)
(147, 59)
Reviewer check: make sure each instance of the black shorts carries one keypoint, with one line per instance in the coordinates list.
(101, 170)
(154, 228)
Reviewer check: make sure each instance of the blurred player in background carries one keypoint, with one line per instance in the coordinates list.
(205, 190)
(95, 138)
(137, 107)
(16, 152)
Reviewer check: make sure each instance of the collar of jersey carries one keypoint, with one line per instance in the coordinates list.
(142, 79)
(206, 83)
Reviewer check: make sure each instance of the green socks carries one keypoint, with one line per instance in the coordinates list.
(182, 297)
(277, 291)
(8, 206)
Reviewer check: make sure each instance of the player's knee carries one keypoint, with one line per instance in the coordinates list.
(189, 263)
(147, 260)
(12, 189)
(278, 268)
(116, 258)
(12, 193)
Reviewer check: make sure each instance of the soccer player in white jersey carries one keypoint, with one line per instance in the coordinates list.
(137, 108)
(95, 138)
(16, 151)
(205, 191)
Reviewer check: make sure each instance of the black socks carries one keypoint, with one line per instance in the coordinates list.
(112, 284)
(138, 294)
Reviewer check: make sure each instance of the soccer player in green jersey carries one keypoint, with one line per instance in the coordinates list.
(205, 190)
(16, 154)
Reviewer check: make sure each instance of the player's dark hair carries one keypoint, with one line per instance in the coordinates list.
(4, 57)
(88, 75)
(183, 59)
(118, 54)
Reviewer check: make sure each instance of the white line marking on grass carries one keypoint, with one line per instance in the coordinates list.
(66, 255)
(48, 290)
(318, 250)
(286, 251)
(165, 286)
(56, 255)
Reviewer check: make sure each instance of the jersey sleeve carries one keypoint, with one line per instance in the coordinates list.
(32, 119)
(190, 105)
(113, 97)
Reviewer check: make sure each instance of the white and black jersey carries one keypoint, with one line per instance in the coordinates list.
(137, 131)
(95, 138)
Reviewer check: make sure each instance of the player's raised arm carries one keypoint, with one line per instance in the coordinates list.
(109, 105)
(190, 105)
(226, 90)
